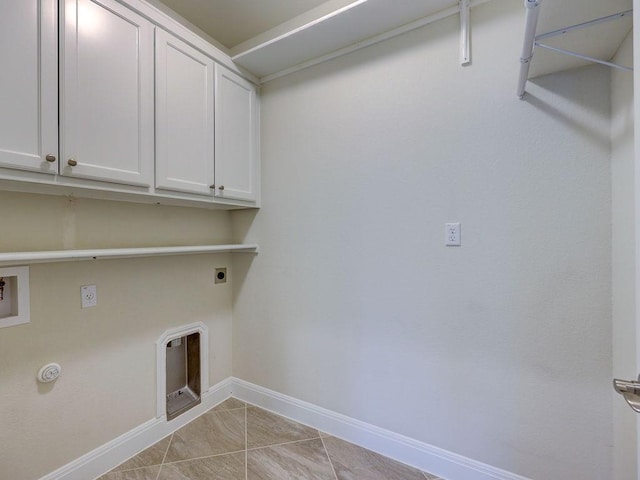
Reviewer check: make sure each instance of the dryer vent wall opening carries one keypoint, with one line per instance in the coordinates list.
(183, 389)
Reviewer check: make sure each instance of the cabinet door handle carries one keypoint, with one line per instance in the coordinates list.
(72, 163)
(212, 186)
(50, 158)
(221, 187)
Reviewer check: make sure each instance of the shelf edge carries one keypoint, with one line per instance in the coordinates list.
(28, 258)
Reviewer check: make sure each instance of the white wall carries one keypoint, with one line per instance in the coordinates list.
(623, 258)
(499, 350)
(107, 353)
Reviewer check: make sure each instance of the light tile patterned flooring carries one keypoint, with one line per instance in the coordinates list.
(236, 441)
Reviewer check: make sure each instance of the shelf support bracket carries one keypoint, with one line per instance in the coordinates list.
(531, 41)
(584, 57)
(465, 32)
(531, 23)
(579, 26)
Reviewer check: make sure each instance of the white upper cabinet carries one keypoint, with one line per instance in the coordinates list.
(113, 99)
(107, 128)
(236, 137)
(184, 117)
(29, 85)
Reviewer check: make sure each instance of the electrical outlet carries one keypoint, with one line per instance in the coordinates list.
(452, 234)
(89, 296)
(221, 275)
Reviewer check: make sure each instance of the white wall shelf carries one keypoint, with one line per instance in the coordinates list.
(26, 258)
(336, 28)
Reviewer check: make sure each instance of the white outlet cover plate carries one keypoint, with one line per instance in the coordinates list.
(89, 296)
(452, 234)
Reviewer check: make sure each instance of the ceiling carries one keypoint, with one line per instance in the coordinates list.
(270, 36)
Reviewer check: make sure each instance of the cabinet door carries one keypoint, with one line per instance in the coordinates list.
(107, 94)
(236, 137)
(184, 117)
(29, 85)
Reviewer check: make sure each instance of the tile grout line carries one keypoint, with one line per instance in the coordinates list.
(143, 466)
(234, 452)
(164, 457)
(283, 443)
(326, 452)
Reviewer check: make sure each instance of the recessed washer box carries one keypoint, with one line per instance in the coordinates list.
(14, 305)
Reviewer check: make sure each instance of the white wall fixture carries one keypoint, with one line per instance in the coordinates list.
(88, 296)
(49, 373)
(452, 234)
(14, 296)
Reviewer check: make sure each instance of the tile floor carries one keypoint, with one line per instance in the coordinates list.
(236, 441)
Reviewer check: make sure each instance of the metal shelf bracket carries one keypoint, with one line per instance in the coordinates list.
(531, 40)
(465, 32)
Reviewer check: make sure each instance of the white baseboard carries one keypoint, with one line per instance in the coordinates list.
(443, 463)
(423, 456)
(113, 453)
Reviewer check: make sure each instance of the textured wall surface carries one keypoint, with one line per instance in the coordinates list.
(623, 258)
(499, 350)
(107, 353)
